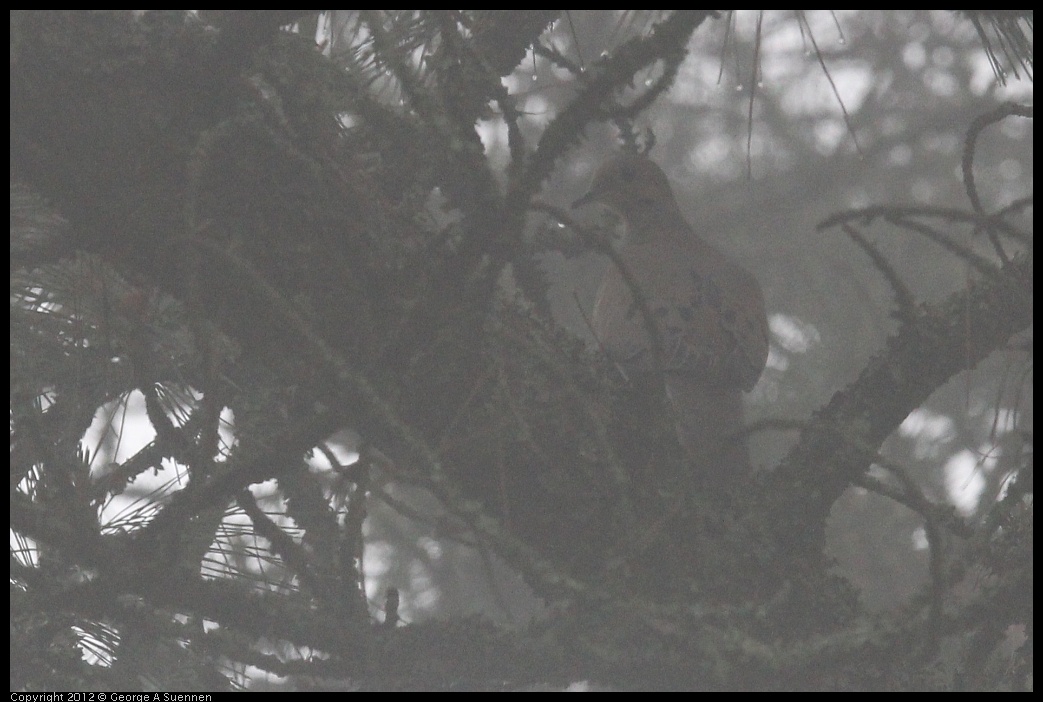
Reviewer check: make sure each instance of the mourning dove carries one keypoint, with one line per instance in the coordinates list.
(708, 313)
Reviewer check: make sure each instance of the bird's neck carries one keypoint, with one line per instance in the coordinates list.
(647, 224)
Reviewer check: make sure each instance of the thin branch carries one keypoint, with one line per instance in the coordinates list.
(833, 86)
(868, 214)
(754, 82)
(970, 145)
(667, 41)
(599, 244)
(904, 298)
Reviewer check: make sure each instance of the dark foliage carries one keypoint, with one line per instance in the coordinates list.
(210, 214)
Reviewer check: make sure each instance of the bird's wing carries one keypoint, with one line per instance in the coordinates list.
(709, 313)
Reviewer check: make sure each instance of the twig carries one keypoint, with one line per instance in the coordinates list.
(903, 297)
(970, 145)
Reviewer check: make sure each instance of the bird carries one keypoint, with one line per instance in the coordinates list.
(707, 311)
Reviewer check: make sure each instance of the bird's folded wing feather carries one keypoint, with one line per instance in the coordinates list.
(708, 311)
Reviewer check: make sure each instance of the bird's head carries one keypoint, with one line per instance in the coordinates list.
(631, 184)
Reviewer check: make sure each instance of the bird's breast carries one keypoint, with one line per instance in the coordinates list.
(708, 314)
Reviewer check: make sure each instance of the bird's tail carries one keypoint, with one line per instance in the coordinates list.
(709, 423)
